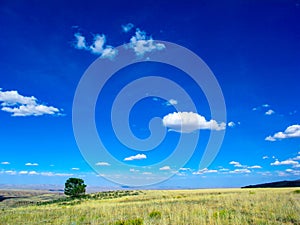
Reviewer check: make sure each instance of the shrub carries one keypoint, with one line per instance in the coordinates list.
(136, 221)
(155, 215)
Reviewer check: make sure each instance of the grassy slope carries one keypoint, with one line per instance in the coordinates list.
(218, 206)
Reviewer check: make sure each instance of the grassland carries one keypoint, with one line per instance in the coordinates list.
(212, 206)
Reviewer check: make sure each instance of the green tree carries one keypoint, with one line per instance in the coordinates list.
(75, 187)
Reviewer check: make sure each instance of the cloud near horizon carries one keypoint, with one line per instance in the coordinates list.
(31, 164)
(187, 122)
(164, 168)
(102, 164)
(19, 105)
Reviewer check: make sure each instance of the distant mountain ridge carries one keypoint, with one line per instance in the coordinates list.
(278, 184)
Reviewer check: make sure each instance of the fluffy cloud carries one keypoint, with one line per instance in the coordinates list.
(165, 168)
(98, 46)
(19, 105)
(31, 164)
(205, 170)
(265, 157)
(33, 173)
(136, 157)
(285, 162)
(141, 43)
(236, 164)
(187, 122)
(254, 167)
(75, 168)
(80, 41)
(240, 171)
(10, 172)
(23, 172)
(290, 132)
(5, 163)
(297, 157)
(31, 110)
(269, 112)
(102, 164)
(127, 27)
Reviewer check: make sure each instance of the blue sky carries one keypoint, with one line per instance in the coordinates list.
(252, 48)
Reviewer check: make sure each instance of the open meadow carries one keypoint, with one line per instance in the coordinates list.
(205, 206)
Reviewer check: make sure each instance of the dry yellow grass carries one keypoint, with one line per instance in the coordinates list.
(211, 206)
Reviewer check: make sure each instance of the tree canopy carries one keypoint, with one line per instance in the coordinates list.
(74, 187)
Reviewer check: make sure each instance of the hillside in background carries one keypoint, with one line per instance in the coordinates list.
(278, 184)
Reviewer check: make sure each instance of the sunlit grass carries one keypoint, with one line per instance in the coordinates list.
(212, 206)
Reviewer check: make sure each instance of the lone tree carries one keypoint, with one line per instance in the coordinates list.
(75, 187)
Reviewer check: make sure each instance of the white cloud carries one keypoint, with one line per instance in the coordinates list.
(98, 46)
(136, 157)
(5, 163)
(33, 173)
(133, 170)
(147, 173)
(109, 52)
(31, 110)
(254, 167)
(19, 105)
(23, 172)
(292, 131)
(102, 164)
(236, 164)
(141, 43)
(223, 169)
(171, 102)
(10, 98)
(51, 174)
(203, 171)
(31, 164)
(185, 169)
(285, 162)
(10, 172)
(293, 172)
(270, 138)
(297, 157)
(187, 122)
(231, 124)
(80, 41)
(269, 112)
(265, 157)
(240, 171)
(75, 168)
(165, 168)
(259, 108)
(127, 27)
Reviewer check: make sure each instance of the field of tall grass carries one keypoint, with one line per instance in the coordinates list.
(207, 206)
